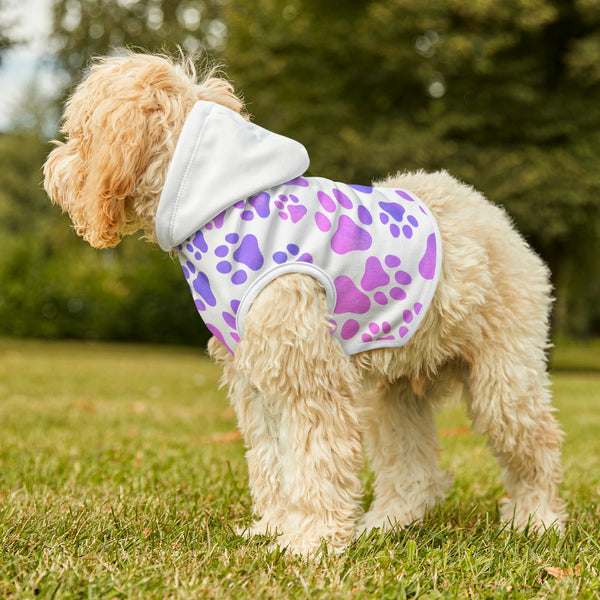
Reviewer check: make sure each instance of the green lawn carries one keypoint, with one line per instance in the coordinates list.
(121, 476)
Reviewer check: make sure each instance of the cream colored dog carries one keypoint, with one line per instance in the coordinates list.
(303, 404)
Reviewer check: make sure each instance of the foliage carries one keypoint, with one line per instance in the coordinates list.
(84, 28)
(117, 481)
(5, 43)
(51, 283)
(55, 285)
(504, 95)
(6, 39)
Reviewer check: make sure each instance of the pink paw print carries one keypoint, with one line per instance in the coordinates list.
(289, 208)
(374, 287)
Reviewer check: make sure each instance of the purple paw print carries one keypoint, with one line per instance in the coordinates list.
(378, 331)
(259, 205)
(197, 245)
(427, 264)
(247, 254)
(217, 222)
(293, 250)
(299, 181)
(393, 213)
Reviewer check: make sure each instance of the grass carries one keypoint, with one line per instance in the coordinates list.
(121, 476)
(581, 357)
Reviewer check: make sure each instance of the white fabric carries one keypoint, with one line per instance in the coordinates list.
(241, 214)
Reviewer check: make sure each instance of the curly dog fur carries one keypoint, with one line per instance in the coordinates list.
(304, 406)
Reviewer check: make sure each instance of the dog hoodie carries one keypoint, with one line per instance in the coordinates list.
(240, 212)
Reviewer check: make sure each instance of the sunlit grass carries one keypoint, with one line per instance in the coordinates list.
(121, 477)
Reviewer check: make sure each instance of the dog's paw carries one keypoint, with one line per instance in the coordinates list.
(385, 521)
(260, 527)
(409, 508)
(536, 516)
(309, 547)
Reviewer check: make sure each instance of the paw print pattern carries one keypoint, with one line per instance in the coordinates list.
(281, 257)
(351, 299)
(246, 254)
(393, 213)
(396, 212)
(196, 245)
(348, 235)
(292, 210)
(261, 205)
(295, 223)
(381, 283)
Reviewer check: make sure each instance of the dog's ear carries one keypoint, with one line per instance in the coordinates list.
(63, 177)
(93, 174)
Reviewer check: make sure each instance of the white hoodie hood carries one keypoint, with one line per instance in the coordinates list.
(219, 160)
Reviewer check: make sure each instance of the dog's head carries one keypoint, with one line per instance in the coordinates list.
(121, 125)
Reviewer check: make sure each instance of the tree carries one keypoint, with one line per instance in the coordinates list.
(52, 283)
(6, 39)
(84, 28)
(505, 95)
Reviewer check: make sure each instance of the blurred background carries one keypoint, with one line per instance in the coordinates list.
(504, 94)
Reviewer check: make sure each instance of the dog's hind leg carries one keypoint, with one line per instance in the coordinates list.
(401, 443)
(302, 426)
(509, 401)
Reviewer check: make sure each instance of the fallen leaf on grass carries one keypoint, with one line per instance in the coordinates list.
(224, 438)
(228, 413)
(559, 573)
(84, 405)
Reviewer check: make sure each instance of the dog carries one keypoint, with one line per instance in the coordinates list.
(313, 376)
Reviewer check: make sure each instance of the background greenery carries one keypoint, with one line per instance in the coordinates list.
(504, 94)
(122, 476)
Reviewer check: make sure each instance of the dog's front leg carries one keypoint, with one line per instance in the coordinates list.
(299, 418)
(259, 422)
